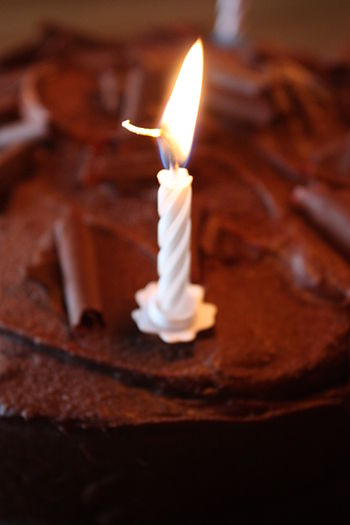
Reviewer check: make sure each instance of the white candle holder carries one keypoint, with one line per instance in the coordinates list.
(171, 329)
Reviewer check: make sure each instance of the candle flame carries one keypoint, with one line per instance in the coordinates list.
(180, 114)
(179, 118)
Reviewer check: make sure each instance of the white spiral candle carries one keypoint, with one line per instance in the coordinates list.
(174, 236)
(173, 307)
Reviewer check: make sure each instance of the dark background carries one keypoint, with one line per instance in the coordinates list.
(316, 25)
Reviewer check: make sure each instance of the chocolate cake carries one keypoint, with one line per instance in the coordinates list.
(101, 423)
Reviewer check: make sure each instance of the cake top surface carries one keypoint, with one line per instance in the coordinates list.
(270, 225)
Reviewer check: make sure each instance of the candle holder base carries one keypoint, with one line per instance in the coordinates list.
(172, 330)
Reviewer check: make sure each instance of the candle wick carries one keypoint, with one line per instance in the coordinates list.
(171, 149)
(173, 166)
(147, 132)
(157, 133)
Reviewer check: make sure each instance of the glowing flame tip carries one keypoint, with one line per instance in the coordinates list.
(180, 115)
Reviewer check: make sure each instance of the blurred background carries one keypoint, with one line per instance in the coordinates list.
(320, 26)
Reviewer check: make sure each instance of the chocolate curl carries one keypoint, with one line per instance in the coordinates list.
(238, 91)
(18, 132)
(32, 109)
(256, 111)
(321, 207)
(211, 153)
(229, 75)
(292, 171)
(35, 117)
(222, 240)
(309, 273)
(310, 95)
(76, 256)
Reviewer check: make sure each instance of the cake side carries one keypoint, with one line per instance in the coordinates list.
(81, 445)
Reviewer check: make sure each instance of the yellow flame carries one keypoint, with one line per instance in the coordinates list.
(180, 115)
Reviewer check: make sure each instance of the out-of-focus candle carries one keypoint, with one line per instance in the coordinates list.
(173, 307)
(228, 22)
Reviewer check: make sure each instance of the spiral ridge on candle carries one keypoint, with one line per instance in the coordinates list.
(174, 259)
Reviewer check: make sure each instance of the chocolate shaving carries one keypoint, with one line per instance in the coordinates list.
(35, 117)
(313, 104)
(307, 98)
(303, 272)
(19, 132)
(235, 165)
(242, 91)
(314, 114)
(309, 274)
(255, 111)
(330, 216)
(290, 170)
(227, 73)
(32, 109)
(238, 79)
(75, 250)
(222, 240)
